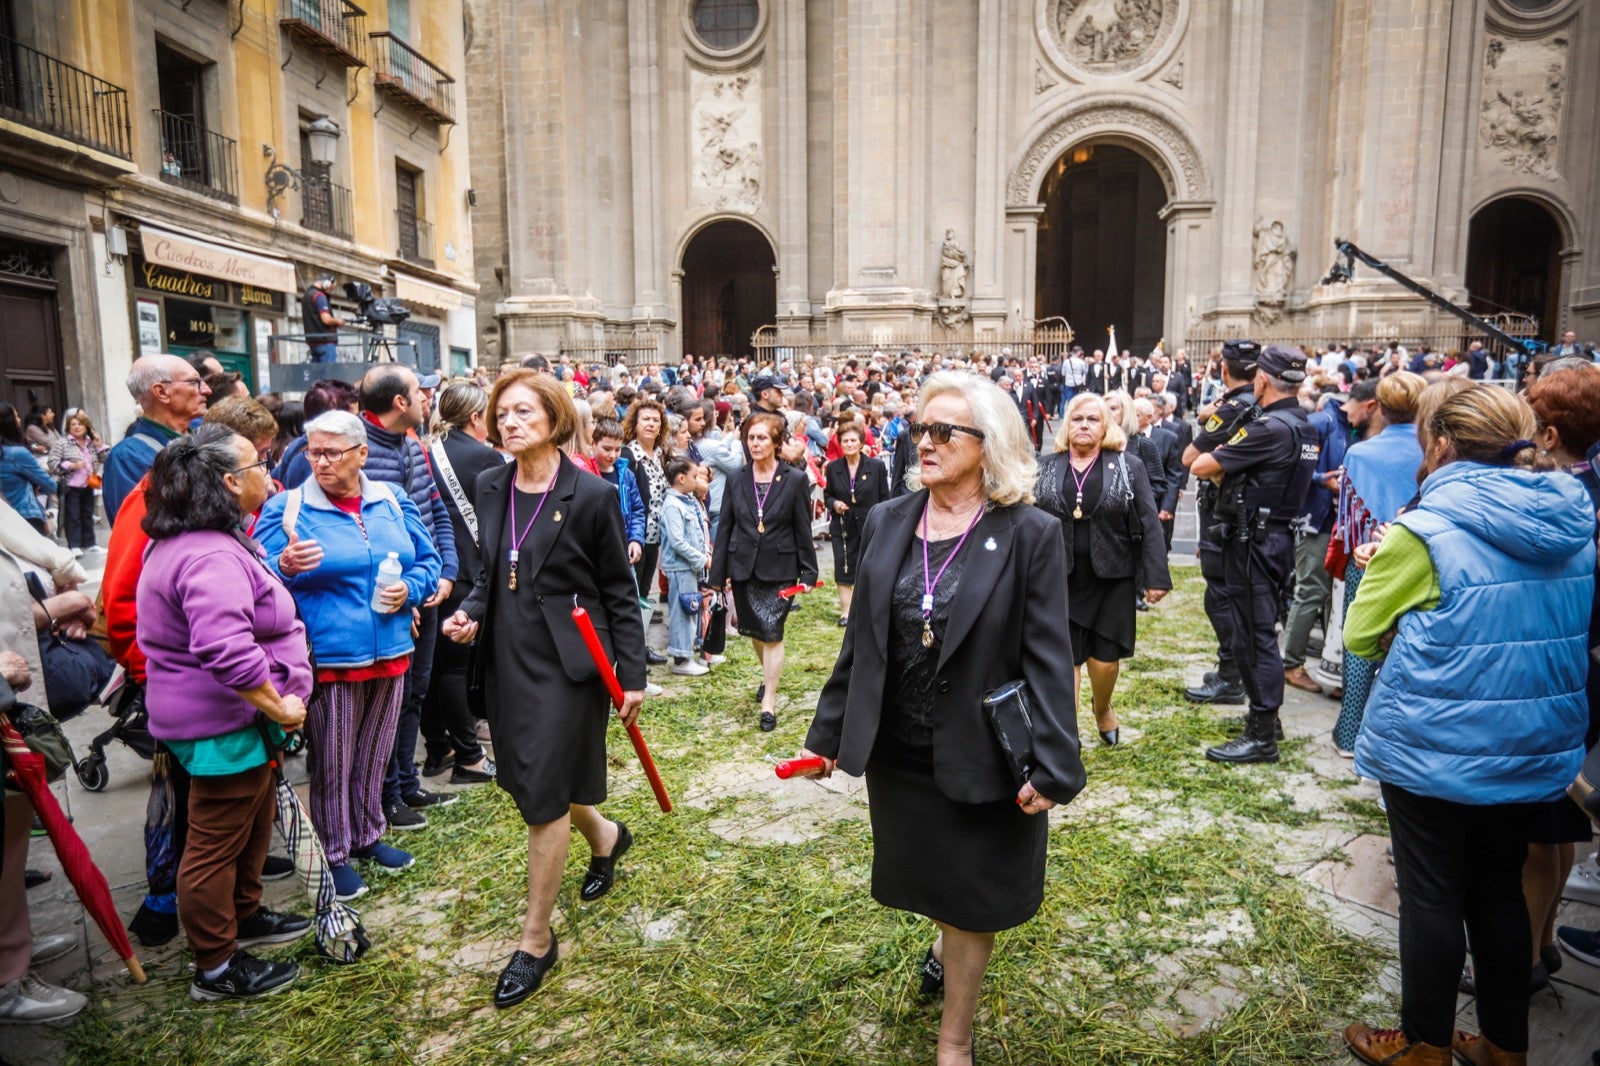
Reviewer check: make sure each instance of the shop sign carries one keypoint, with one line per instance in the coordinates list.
(181, 252)
(148, 275)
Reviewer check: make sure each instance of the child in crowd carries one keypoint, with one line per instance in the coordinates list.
(685, 556)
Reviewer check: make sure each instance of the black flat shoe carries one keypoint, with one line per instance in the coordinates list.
(654, 658)
(1110, 737)
(523, 975)
(932, 973)
(603, 869)
(769, 721)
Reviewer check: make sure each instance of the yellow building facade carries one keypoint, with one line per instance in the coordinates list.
(173, 176)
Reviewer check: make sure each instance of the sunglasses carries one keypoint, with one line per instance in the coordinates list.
(940, 431)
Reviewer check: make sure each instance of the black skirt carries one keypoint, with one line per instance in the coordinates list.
(762, 612)
(976, 866)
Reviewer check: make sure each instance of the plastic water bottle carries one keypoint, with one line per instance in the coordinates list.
(389, 572)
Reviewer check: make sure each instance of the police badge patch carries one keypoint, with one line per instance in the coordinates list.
(1237, 437)
(1213, 423)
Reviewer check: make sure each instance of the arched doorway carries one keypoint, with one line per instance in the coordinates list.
(1514, 262)
(1102, 247)
(729, 290)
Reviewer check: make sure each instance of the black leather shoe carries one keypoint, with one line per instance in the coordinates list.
(461, 775)
(523, 975)
(769, 721)
(1255, 744)
(651, 658)
(1110, 737)
(1217, 691)
(603, 869)
(1239, 723)
(932, 972)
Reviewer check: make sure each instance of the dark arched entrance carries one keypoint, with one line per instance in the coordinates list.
(1103, 247)
(728, 289)
(1514, 262)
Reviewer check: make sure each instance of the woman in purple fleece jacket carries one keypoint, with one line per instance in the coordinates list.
(222, 642)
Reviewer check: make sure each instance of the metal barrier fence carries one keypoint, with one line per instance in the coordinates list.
(1443, 337)
(1049, 343)
(639, 350)
(291, 371)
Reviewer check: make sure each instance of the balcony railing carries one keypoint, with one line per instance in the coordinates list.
(416, 239)
(198, 159)
(335, 28)
(43, 92)
(404, 75)
(327, 208)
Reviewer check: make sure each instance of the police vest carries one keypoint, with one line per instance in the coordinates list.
(1280, 487)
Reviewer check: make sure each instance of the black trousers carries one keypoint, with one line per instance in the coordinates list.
(449, 724)
(1218, 613)
(1458, 864)
(77, 516)
(1256, 576)
(644, 571)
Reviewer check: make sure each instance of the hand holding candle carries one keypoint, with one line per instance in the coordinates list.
(796, 590)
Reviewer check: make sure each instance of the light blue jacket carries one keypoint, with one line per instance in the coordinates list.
(683, 534)
(336, 598)
(20, 474)
(1481, 699)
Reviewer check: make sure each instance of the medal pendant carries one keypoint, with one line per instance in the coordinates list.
(927, 634)
(761, 527)
(1077, 512)
(512, 583)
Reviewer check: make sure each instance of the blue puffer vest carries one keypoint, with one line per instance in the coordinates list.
(1481, 700)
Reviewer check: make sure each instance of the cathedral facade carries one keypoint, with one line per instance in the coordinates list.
(902, 171)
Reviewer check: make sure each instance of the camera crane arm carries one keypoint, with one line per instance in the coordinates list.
(1342, 272)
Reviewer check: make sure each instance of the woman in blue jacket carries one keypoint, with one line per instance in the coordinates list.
(1478, 603)
(21, 473)
(327, 539)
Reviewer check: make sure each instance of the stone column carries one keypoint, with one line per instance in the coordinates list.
(1236, 165)
(1021, 252)
(1188, 275)
(793, 188)
(985, 285)
(650, 267)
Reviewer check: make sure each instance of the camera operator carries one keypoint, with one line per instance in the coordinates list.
(1264, 471)
(320, 323)
(1217, 425)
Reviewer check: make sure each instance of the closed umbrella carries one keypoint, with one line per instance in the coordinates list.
(339, 932)
(27, 772)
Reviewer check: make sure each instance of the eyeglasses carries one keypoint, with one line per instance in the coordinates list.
(196, 381)
(261, 463)
(940, 431)
(332, 455)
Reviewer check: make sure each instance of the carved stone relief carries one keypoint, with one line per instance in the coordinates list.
(1274, 269)
(1042, 81)
(1524, 88)
(1111, 36)
(1174, 77)
(1190, 182)
(725, 140)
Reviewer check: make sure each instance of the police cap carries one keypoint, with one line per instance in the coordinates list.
(761, 383)
(1242, 356)
(1285, 364)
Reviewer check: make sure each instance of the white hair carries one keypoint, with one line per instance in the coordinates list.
(148, 372)
(341, 424)
(1008, 463)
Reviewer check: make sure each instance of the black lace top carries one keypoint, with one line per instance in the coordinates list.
(905, 732)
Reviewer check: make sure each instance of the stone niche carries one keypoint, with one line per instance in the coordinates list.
(1521, 111)
(727, 164)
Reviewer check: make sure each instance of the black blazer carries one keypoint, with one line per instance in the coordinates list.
(1008, 621)
(872, 487)
(784, 553)
(1176, 475)
(575, 556)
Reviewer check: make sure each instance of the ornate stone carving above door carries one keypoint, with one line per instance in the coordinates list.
(1103, 37)
(1522, 108)
(725, 140)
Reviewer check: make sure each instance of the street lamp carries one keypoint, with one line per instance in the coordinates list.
(322, 138)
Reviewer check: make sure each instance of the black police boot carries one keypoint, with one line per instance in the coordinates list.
(1216, 689)
(1255, 744)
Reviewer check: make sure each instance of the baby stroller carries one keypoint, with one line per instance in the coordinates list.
(130, 724)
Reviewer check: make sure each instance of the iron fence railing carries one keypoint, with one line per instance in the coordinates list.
(41, 91)
(327, 207)
(197, 158)
(416, 239)
(337, 28)
(412, 79)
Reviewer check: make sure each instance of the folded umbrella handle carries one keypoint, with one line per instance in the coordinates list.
(602, 662)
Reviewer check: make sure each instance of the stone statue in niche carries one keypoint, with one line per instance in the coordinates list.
(1114, 34)
(726, 144)
(953, 264)
(1274, 269)
(1524, 86)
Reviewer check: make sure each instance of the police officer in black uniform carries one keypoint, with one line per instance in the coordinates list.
(1264, 471)
(1223, 685)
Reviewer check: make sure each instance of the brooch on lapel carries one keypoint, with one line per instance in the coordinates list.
(557, 517)
(989, 545)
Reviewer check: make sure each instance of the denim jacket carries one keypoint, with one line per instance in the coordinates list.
(685, 543)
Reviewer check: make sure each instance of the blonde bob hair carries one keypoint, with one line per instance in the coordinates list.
(1008, 465)
(1130, 418)
(1111, 440)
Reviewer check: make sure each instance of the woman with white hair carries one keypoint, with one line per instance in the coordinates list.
(327, 539)
(959, 594)
(1114, 546)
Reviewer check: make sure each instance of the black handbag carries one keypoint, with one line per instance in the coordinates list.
(39, 730)
(715, 638)
(75, 671)
(1009, 712)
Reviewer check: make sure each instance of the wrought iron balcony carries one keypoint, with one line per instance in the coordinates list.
(416, 239)
(198, 159)
(335, 28)
(46, 94)
(327, 208)
(405, 76)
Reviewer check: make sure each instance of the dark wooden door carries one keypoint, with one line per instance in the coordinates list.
(30, 346)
